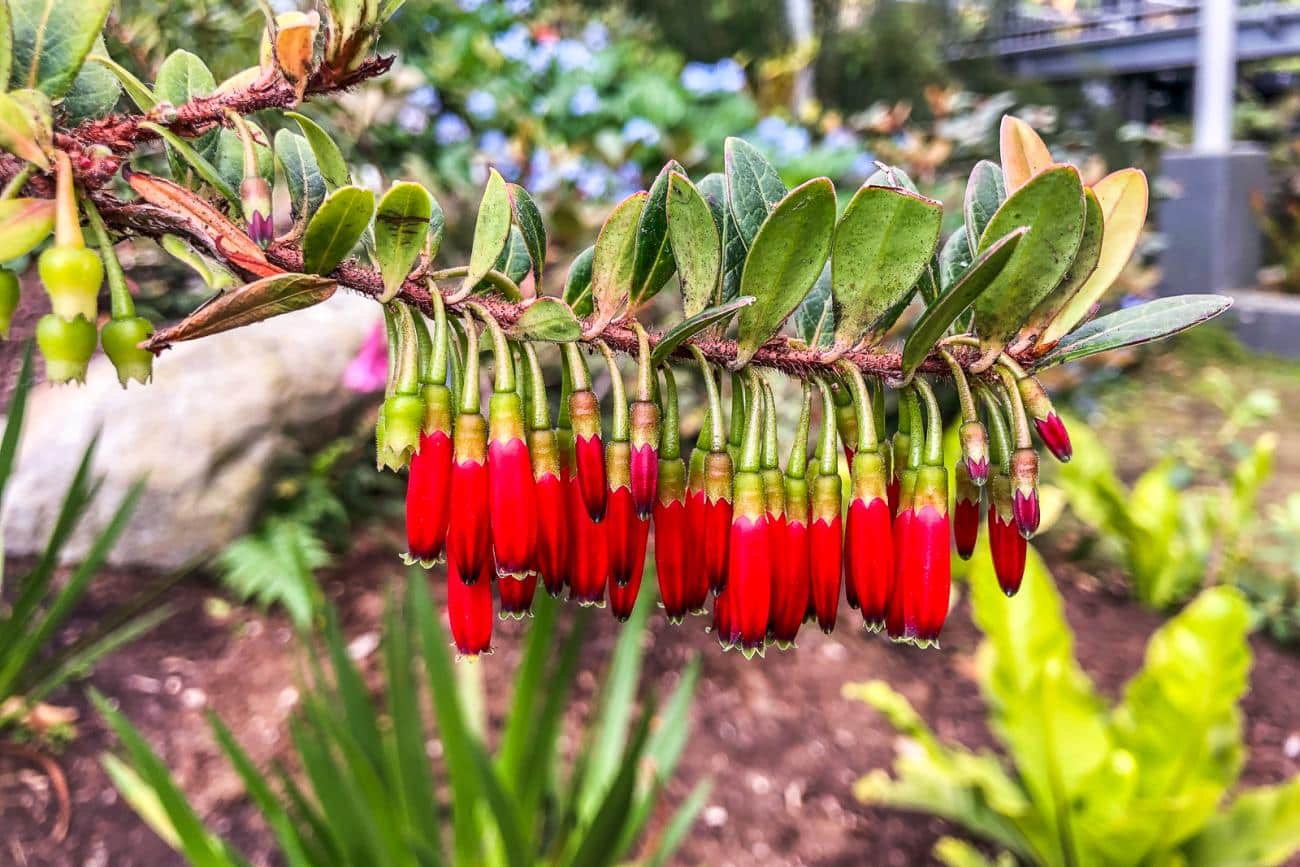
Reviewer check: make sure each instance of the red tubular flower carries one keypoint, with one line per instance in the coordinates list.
(724, 619)
(1024, 481)
(930, 560)
(1008, 547)
(469, 540)
(516, 595)
(513, 492)
(469, 611)
(670, 540)
(589, 557)
(645, 431)
(645, 478)
(622, 597)
(790, 590)
(551, 555)
(717, 517)
(869, 543)
(428, 486)
(695, 577)
(896, 615)
(625, 533)
(589, 452)
(966, 512)
(749, 564)
(826, 540)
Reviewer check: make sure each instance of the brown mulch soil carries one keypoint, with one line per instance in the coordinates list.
(781, 744)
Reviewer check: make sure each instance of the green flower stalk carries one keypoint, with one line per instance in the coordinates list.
(125, 331)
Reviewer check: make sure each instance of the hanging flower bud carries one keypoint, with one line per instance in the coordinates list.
(125, 331)
(645, 431)
(625, 533)
(1005, 542)
(670, 512)
(469, 611)
(925, 576)
(254, 191)
(428, 483)
(790, 567)
(718, 481)
(773, 495)
(551, 555)
(1051, 430)
(589, 450)
(966, 512)
(66, 345)
(70, 272)
(512, 494)
(469, 539)
(900, 622)
(1024, 481)
(826, 539)
(749, 552)
(402, 414)
(9, 298)
(695, 585)
(869, 544)
(516, 595)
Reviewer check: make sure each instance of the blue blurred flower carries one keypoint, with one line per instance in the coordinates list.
(703, 79)
(728, 76)
(594, 180)
(628, 180)
(481, 104)
(584, 101)
(412, 120)
(840, 138)
(697, 78)
(450, 129)
(493, 142)
(519, 7)
(425, 97)
(770, 130)
(571, 55)
(470, 5)
(596, 35)
(638, 130)
(541, 176)
(864, 165)
(540, 58)
(515, 43)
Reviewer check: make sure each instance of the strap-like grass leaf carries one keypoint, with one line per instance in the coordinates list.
(335, 229)
(1123, 199)
(653, 263)
(680, 825)
(205, 170)
(753, 187)
(952, 303)
(51, 40)
(301, 173)
(1023, 153)
(14, 418)
(577, 286)
(491, 228)
(985, 192)
(1051, 207)
(696, 244)
(258, 301)
(333, 168)
(6, 44)
(615, 256)
(1133, 326)
(692, 325)
(401, 227)
(549, 320)
(528, 217)
(883, 244)
(784, 262)
(1085, 262)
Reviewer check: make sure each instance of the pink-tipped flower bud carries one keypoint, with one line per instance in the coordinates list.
(965, 512)
(1024, 483)
(1039, 407)
(975, 452)
(589, 452)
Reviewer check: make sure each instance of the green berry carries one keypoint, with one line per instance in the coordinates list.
(66, 345)
(121, 339)
(8, 299)
(72, 276)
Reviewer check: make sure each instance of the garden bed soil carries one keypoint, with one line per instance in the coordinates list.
(781, 744)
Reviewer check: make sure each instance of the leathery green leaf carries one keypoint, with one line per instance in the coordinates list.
(491, 229)
(333, 168)
(882, 246)
(753, 187)
(653, 263)
(528, 217)
(51, 39)
(301, 173)
(696, 245)
(336, 228)
(954, 258)
(549, 320)
(1085, 262)
(577, 285)
(260, 300)
(692, 325)
(24, 223)
(985, 192)
(1051, 206)
(784, 262)
(615, 256)
(814, 318)
(1132, 326)
(944, 311)
(713, 187)
(401, 228)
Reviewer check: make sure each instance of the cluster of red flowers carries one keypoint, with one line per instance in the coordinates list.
(515, 499)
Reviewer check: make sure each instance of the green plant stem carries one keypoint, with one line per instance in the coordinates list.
(969, 412)
(618, 397)
(505, 363)
(645, 372)
(916, 426)
(469, 396)
(17, 182)
(579, 376)
(494, 277)
(670, 436)
(795, 467)
(826, 452)
(437, 370)
(933, 423)
(999, 433)
(1019, 418)
(771, 445)
(541, 410)
(121, 304)
(862, 408)
(406, 378)
(718, 441)
(751, 451)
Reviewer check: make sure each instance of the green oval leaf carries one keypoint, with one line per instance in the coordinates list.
(890, 176)
(696, 246)
(954, 258)
(1132, 326)
(183, 76)
(6, 43)
(951, 304)
(515, 260)
(577, 286)
(24, 223)
(301, 173)
(654, 263)
(549, 320)
(753, 187)
(1051, 205)
(985, 193)
(204, 169)
(25, 127)
(714, 189)
(1085, 262)
(528, 217)
(491, 229)
(258, 301)
(693, 325)
(336, 228)
(614, 259)
(883, 244)
(333, 168)
(51, 39)
(401, 227)
(95, 90)
(784, 262)
(815, 316)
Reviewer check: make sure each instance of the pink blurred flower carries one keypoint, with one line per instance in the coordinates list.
(368, 371)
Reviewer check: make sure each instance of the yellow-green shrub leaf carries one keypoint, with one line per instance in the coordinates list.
(692, 325)
(401, 227)
(653, 264)
(528, 217)
(491, 229)
(1023, 153)
(1085, 262)
(51, 39)
(1132, 326)
(615, 256)
(696, 246)
(25, 129)
(335, 229)
(24, 223)
(548, 319)
(753, 187)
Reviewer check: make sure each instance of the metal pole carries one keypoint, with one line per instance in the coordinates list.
(1216, 77)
